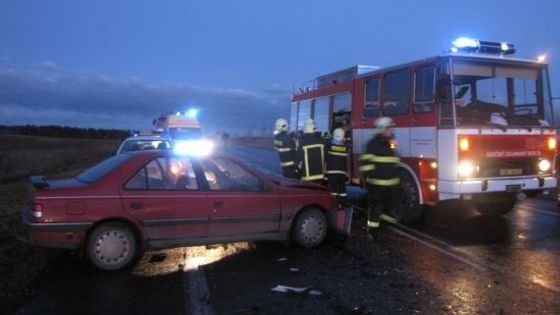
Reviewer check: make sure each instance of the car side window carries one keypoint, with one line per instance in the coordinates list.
(138, 181)
(165, 173)
(226, 175)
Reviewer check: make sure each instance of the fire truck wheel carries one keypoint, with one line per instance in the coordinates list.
(111, 246)
(310, 228)
(412, 210)
(499, 205)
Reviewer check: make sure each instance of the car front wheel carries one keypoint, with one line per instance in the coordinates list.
(111, 246)
(310, 228)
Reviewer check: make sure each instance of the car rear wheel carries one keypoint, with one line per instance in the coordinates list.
(310, 228)
(111, 246)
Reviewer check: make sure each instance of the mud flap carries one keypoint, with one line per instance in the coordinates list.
(340, 220)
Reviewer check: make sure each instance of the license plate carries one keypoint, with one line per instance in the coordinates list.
(511, 171)
(513, 188)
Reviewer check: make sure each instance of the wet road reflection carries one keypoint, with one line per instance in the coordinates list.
(519, 253)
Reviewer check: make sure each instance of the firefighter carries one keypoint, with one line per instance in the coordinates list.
(337, 167)
(379, 165)
(311, 154)
(286, 148)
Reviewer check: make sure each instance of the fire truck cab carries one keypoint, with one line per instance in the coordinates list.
(473, 124)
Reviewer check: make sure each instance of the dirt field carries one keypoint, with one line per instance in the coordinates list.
(21, 263)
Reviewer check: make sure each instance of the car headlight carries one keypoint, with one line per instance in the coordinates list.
(466, 168)
(544, 165)
(193, 147)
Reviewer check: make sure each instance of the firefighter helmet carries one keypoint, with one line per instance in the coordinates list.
(281, 124)
(383, 123)
(338, 134)
(309, 126)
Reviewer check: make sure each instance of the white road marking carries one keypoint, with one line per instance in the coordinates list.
(196, 287)
(441, 250)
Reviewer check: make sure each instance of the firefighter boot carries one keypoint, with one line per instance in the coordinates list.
(373, 230)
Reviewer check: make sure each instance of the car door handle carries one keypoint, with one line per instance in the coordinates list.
(218, 204)
(136, 204)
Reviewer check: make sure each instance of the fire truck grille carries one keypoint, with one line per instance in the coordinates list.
(507, 167)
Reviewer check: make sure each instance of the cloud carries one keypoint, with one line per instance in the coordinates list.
(51, 95)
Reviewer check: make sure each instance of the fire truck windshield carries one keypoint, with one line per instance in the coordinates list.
(503, 95)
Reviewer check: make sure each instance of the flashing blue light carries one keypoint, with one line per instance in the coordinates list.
(466, 42)
(192, 113)
(193, 147)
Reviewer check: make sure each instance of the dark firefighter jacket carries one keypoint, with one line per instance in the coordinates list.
(286, 148)
(379, 163)
(311, 155)
(337, 159)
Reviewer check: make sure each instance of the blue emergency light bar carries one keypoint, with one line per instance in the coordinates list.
(472, 45)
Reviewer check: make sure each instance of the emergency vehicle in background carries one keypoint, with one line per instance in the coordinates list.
(472, 124)
(179, 125)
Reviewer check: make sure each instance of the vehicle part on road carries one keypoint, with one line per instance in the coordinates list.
(310, 228)
(286, 289)
(411, 210)
(496, 204)
(111, 246)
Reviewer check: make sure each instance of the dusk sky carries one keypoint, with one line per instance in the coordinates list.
(118, 64)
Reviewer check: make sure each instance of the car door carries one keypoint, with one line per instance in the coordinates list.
(164, 196)
(240, 202)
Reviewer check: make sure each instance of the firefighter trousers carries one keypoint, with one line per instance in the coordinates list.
(337, 185)
(382, 199)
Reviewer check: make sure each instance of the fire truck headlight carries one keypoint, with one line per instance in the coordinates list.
(466, 168)
(544, 165)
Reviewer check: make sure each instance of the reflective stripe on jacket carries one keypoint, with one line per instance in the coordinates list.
(311, 154)
(285, 145)
(379, 163)
(337, 159)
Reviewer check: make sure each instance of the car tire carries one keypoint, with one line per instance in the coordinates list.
(411, 210)
(310, 228)
(112, 246)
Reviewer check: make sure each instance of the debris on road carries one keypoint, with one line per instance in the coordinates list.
(287, 289)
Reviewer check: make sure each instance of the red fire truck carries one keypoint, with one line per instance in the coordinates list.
(473, 124)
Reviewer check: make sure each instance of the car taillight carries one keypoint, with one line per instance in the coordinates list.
(37, 210)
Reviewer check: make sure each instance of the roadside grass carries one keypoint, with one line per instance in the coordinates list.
(22, 263)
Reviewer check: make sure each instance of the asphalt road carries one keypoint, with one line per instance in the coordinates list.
(456, 262)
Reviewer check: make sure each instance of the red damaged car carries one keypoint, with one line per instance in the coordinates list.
(155, 199)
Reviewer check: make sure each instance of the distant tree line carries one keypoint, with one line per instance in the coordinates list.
(64, 132)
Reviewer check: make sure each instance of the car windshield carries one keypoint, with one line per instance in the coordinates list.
(500, 95)
(139, 145)
(95, 173)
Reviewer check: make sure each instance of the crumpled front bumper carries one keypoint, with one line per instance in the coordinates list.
(340, 220)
